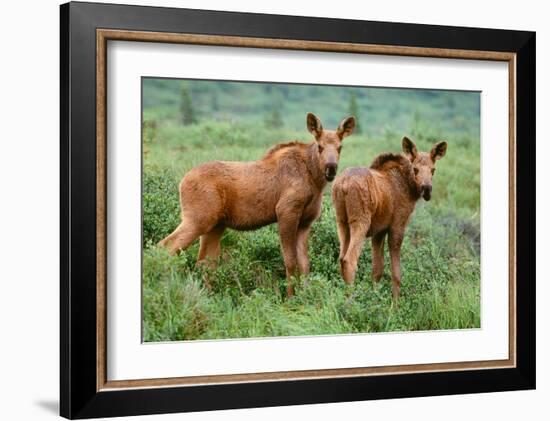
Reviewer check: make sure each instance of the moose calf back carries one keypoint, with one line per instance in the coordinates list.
(362, 195)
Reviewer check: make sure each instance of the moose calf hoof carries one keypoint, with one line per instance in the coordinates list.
(289, 292)
(349, 282)
(395, 297)
(348, 273)
(206, 281)
(206, 263)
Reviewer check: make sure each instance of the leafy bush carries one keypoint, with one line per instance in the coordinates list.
(161, 213)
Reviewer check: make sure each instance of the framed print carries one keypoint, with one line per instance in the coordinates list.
(262, 210)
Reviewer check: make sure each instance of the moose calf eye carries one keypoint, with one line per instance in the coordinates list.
(433, 170)
(339, 149)
(320, 149)
(415, 171)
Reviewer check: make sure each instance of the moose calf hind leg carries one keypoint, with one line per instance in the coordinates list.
(210, 247)
(395, 241)
(377, 256)
(358, 232)
(182, 237)
(343, 237)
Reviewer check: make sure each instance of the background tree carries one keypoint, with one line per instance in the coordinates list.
(214, 104)
(353, 109)
(186, 107)
(274, 119)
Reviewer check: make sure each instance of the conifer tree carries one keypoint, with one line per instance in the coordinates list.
(186, 108)
(274, 119)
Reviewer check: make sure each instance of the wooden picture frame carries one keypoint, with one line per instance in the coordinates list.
(85, 30)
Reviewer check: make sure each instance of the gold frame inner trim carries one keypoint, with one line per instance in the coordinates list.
(103, 35)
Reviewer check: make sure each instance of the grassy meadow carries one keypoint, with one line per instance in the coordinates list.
(186, 123)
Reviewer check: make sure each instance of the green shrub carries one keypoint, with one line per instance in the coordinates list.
(160, 205)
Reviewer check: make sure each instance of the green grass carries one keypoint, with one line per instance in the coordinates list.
(440, 255)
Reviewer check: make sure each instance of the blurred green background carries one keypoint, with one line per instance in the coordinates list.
(188, 122)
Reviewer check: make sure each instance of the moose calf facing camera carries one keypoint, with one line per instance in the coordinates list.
(378, 201)
(285, 186)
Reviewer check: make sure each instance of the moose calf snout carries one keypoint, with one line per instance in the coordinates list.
(330, 170)
(426, 190)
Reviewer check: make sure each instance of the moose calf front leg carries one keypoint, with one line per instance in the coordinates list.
(288, 232)
(301, 249)
(395, 241)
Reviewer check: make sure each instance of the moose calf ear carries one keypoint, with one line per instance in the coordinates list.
(409, 148)
(438, 151)
(314, 125)
(346, 127)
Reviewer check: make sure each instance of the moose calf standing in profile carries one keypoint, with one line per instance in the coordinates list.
(285, 186)
(375, 201)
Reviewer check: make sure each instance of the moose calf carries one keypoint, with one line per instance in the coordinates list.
(285, 186)
(375, 201)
